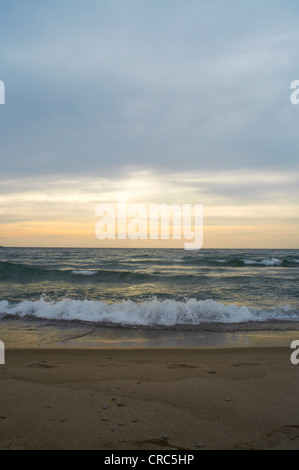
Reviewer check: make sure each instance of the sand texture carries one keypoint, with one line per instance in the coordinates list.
(149, 399)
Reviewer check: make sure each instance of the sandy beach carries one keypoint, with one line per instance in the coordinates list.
(192, 399)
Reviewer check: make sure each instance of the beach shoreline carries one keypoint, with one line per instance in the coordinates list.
(149, 399)
(35, 334)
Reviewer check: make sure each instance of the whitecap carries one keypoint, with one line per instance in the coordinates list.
(148, 313)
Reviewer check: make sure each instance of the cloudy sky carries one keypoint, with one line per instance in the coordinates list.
(155, 100)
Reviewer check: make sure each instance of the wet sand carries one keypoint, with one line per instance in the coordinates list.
(168, 399)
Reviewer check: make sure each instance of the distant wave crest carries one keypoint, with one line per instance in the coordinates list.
(84, 272)
(32, 273)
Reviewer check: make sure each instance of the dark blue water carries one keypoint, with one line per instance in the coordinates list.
(149, 287)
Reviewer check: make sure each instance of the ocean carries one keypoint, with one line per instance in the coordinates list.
(51, 296)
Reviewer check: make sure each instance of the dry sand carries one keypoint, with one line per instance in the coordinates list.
(149, 399)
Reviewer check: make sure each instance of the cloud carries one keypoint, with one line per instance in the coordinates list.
(226, 189)
(163, 102)
(241, 209)
(163, 86)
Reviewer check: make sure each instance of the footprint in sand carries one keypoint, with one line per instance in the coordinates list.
(283, 438)
(181, 366)
(245, 364)
(40, 365)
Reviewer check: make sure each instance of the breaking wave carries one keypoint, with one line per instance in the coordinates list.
(149, 313)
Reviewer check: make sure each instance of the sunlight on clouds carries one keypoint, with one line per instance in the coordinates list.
(63, 212)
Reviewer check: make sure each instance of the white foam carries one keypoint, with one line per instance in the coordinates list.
(84, 273)
(265, 262)
(149, 313)
(271, 262)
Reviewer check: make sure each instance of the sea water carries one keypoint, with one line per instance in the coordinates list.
(113, 290)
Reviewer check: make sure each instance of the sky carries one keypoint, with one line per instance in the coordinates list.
(157, 101)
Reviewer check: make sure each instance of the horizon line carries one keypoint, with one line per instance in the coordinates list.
(139, 248)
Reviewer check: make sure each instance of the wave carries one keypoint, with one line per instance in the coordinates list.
(154, 312)
(84, 273)
(239, 262)
(264, 262)
(26, 273)
(137, 273)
